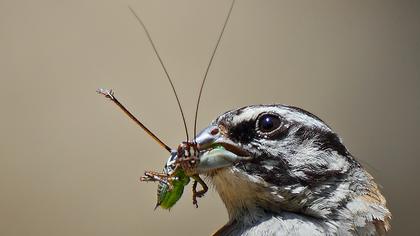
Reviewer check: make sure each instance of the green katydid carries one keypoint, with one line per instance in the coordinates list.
(173, 178)
(181, 164)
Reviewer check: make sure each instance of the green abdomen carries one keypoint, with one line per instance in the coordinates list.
(165, 198)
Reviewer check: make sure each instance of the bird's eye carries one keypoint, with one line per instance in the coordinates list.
(268, 122)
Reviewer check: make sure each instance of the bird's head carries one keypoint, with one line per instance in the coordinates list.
(277, 158)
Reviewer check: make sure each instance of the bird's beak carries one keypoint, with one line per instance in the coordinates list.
(216, 150)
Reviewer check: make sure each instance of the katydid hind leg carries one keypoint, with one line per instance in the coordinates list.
(200, 193)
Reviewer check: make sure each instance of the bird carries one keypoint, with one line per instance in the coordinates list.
(281, 170)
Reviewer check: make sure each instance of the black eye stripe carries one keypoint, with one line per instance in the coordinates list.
(242, 132)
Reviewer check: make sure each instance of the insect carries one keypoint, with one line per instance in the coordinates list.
(181, 164)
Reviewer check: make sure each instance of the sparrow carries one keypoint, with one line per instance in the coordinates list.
(281, 170)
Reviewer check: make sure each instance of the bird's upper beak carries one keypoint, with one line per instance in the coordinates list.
(217, 150)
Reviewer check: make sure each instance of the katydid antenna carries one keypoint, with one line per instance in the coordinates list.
(110, 94)
(208, 66)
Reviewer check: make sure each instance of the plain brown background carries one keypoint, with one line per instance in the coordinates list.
(70, 161)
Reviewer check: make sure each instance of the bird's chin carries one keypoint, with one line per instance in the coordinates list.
(220, 156)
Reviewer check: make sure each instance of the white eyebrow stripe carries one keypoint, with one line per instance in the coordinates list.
(252, 112)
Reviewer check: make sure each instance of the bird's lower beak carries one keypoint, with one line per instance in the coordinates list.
(217, 151)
